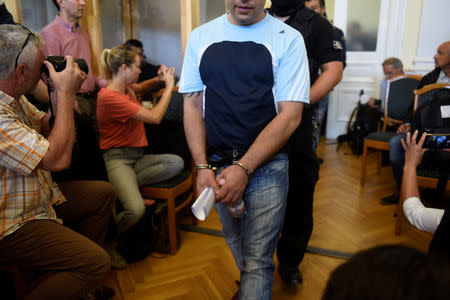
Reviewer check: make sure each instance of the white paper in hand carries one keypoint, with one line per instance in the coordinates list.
(204, 203)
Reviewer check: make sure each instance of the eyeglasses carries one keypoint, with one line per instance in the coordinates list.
(23, 46)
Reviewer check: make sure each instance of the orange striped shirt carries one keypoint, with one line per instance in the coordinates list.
(26, 192)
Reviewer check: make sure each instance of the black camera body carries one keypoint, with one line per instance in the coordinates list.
(59, 63)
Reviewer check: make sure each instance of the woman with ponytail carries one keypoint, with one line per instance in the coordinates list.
(121, 121)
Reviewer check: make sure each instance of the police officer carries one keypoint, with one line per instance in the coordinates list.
(327, 54)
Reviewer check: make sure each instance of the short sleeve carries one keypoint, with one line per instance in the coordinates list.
(190, 80)
(21, 147)
(328, 47)
(116, 106)
(292, 74)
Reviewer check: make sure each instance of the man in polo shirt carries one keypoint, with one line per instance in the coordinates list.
(64, 36)
(32, 206)
(245, 78)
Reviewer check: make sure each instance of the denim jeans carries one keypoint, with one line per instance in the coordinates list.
(128, 169)
(253, 239)
(397, 157)
(319, 114)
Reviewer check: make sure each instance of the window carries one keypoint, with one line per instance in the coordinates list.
(36, 14)
(160, 32)
(112, 27)
(210, 10)
(362, 25)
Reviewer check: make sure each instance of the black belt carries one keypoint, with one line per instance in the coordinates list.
(86, 95)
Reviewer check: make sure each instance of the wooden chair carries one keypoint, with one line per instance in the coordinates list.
(168, 137)
(399, 97)
(426, 178)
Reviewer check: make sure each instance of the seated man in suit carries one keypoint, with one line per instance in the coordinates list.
(391, 67)
(441, 74)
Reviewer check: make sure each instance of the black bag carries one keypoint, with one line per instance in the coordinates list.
(138, 241)
(151, 233)
(363, 120)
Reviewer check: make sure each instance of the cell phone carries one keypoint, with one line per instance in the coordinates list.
(437, 141)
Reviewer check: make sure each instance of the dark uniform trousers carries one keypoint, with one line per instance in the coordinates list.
(303, 175)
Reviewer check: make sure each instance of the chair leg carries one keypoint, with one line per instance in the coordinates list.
(380, 162)
(363, 164)
(172, 225)
(400, 214)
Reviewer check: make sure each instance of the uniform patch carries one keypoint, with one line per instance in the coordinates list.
(337, 45)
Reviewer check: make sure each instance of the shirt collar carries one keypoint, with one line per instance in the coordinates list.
(67, 26)
(443, 78)
(7, 99)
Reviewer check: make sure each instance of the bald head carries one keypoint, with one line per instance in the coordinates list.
(442, 57)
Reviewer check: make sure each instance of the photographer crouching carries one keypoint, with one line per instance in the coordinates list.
(32, 206)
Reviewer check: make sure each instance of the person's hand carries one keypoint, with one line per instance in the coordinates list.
(413, 150)
(206, 178)
(168, 76)
(161, 72)
(233, 181)
(404, 128)
(68, 80)
(371, 102)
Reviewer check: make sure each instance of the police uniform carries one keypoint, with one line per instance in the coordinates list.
(322, 47)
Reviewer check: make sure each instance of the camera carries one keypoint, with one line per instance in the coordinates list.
(59, 63)
(438, 139)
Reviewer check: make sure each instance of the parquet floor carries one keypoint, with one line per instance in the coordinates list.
(347, 218)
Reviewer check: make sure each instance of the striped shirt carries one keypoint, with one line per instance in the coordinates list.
(26, 192)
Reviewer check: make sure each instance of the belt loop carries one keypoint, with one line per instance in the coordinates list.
(234, 155)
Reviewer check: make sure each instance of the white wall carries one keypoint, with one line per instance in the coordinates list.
(434, 30)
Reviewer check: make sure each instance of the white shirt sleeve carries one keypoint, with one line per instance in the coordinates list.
(421, 217)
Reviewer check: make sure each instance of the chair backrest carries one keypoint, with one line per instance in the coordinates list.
(399, 97)
(174, 111)
(426, 93)
(169, 136)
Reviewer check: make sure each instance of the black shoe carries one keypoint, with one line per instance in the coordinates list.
(392, 199)
(99, 293)
(290, 275)
(319, 160)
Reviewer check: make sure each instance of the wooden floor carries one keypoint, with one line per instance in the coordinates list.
(347, 218)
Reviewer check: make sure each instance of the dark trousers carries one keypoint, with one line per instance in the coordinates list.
(75, 260)
(298, 220)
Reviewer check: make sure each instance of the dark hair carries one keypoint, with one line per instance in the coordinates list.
(56, 4)
(389, 272)
(134, 43)
(321, 2)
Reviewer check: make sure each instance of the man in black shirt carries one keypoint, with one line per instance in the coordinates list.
(324, 53)
(321, 107)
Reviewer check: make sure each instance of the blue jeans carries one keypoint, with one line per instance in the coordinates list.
(319, 114)
(128, 169)
(397, 157)
(253, 239)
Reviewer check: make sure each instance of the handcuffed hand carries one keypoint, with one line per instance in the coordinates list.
(413, 150)
(233, 181)
(206, 178)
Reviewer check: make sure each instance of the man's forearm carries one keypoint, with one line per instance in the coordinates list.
(62, 136)
(274, 136)
(330, 77)
(194, 126)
